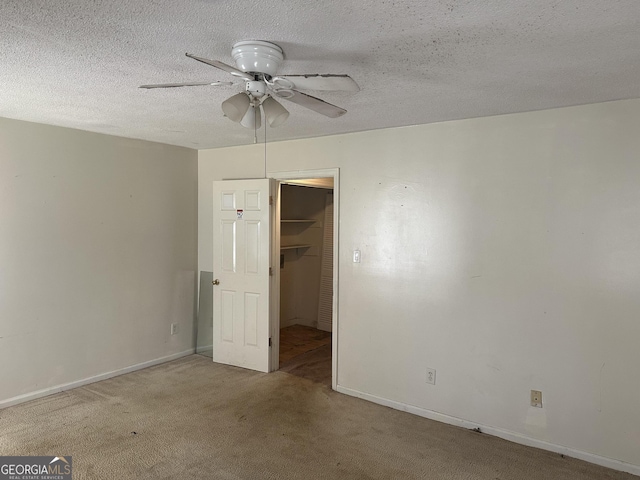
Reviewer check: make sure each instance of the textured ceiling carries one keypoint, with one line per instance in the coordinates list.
(78, 63)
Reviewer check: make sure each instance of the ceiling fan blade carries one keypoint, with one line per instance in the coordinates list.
(223, 66)
(315, 104)
(322, 82)
(193, 84)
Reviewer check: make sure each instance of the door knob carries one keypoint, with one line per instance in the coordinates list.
(215, 282)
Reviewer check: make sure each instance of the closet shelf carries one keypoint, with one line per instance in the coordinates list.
(292, 247)
(297, 221)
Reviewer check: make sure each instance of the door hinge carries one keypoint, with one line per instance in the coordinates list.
(269, 341)
(270, 199)
(271, 271)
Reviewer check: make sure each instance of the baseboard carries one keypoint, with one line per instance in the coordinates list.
(96, 378)
(205, 349)
(497, 432)
(298, 321)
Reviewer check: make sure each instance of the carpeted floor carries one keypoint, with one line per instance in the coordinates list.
(193, 419)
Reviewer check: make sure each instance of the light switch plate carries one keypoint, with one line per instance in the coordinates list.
(536, 398)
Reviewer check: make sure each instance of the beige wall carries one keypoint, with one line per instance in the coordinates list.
(504, 252)
(97, 254)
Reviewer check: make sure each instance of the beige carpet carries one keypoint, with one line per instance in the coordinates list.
(193, 419)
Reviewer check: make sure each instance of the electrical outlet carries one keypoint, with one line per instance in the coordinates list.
(431, 376)
(536, 398)
(174, 328)
(356, 256)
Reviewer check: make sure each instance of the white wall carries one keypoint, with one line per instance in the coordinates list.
(503, 252)
(97, 254)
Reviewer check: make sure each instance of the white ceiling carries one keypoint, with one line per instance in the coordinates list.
(78, 63)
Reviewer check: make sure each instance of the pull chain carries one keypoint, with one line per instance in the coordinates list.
(256, 112)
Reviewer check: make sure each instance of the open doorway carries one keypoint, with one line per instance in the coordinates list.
(305, 337)
(306, 278)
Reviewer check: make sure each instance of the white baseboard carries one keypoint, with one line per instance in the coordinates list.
(96, 378)
(498, 432)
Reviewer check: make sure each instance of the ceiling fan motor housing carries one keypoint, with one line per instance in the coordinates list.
(257, 56)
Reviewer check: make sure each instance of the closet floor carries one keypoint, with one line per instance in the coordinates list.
(306, 352)
(298, 339)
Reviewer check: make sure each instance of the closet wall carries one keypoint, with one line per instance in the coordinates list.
(302, 214)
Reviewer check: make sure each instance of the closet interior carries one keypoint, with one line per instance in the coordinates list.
(306, 278)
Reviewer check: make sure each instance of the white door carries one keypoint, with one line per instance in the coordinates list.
(242, 222)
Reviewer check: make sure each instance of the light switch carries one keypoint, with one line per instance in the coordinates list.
(356, 256)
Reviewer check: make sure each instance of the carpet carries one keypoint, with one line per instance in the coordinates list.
(194, 419)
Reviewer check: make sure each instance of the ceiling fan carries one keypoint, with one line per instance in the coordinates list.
(257, 63)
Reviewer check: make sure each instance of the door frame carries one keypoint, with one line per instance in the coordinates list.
(283, 177)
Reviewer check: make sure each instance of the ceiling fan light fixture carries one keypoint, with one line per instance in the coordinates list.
(274, 112)
(252, 118)
(236, 107)
(257, 63)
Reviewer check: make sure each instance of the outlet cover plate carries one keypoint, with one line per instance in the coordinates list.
(536, 398)
(174, 328)
(431, 376)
